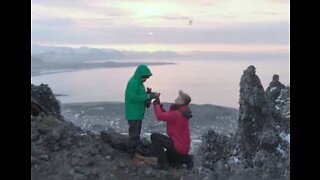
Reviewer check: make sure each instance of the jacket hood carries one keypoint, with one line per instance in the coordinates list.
(184, 109)
(142, 70)
(186, 113)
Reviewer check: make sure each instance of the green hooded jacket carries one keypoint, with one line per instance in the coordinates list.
(135, 95)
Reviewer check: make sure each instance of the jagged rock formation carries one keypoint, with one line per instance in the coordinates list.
(43, 100)
(60, 150)
(260, 148)
(282, 103)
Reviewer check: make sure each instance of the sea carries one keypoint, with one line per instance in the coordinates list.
(213, 82)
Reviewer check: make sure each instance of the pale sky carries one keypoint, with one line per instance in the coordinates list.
(151, 25)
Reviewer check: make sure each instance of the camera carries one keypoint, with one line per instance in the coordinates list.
(152, 95)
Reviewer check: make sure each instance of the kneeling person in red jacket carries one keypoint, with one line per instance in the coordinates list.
(178, 140)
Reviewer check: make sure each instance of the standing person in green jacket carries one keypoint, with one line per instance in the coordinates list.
(136, 98)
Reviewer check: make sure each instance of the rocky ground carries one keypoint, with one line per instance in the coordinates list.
(61, 150)
(259, 148)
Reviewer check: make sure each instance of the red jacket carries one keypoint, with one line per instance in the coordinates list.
(177, 125)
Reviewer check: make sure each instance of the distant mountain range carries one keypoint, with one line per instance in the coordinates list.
(77, 55)
(67, 54)
(50, 59)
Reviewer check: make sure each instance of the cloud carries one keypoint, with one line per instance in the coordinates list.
(279, 1)
(200, 2)
(62, 3)
(130, 22)
(160, 13)
(76, 9)
(176, 17)
(264, 12)
(54, 22)
(251, 33)
(229, 16)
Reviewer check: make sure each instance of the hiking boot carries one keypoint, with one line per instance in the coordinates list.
(147, 160)
(189, 162)
(137, 162)
(162, 164)
(188, 165)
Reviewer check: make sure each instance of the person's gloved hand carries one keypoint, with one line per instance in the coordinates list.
(156, 101)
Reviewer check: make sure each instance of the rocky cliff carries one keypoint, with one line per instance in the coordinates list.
(260, 148)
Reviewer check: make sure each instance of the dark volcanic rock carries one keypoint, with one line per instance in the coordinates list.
(260, 148)
(43, 100)
(255, 127)
(121, 142)
(282, 103)
(115, 139)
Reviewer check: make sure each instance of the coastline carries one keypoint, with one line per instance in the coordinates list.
(62, 68)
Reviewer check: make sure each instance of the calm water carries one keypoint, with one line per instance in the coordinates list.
(208, 82)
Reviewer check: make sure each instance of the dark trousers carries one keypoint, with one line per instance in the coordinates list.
(159, 142)
(134, 136)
